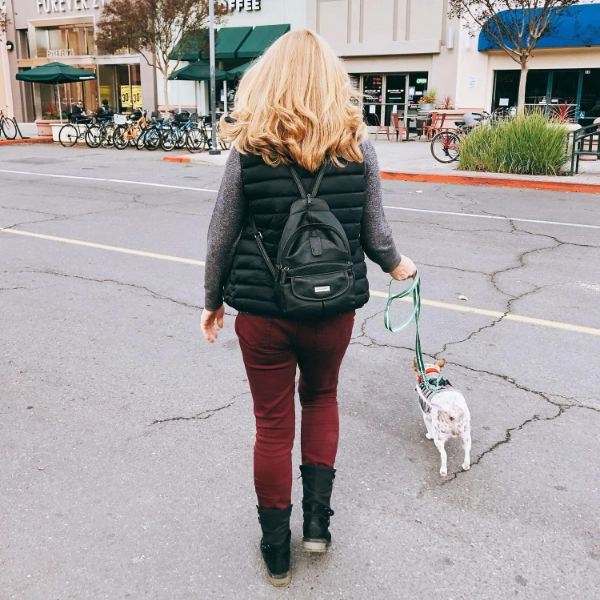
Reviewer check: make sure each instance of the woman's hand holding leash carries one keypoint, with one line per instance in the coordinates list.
(406, 269)
(207, 323)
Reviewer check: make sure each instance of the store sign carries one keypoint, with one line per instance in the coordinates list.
(131, 95)
(244, 4)
(61, 53)
(61, 6)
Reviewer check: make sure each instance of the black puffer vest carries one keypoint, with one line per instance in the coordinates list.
(269, 193)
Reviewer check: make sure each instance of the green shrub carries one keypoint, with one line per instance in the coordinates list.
(527, 145)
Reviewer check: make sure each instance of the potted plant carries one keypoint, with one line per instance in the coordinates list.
(428, 99)
(446, 103)
(49, 118)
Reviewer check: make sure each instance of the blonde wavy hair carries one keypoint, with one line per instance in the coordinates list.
(296, 105)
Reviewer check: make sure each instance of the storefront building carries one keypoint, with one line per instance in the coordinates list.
(395, 50)
(42, 31)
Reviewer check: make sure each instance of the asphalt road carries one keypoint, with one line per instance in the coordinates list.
(126, 440)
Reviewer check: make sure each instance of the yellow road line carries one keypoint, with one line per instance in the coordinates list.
(53, 238)
(433, 303)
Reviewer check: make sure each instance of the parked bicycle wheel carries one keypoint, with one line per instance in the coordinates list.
(120, 139)
(152, 139)
(68, 135)
(167, 139)
(140, 141)
(445, 146)
(108, 135)
(195, 140)
(9, 128)
(180, 139)
(93, 136)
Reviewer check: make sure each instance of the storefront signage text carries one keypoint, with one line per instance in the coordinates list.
(61, 53)
(243, 4)
(58, 6)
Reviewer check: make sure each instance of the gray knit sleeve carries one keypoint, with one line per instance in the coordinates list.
(224, 230)
(376, 235)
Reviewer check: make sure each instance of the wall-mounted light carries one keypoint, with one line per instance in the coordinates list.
(10, 46)
(450, 37)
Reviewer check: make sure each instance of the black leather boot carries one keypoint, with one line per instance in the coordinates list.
(275, 544)
(318, 484)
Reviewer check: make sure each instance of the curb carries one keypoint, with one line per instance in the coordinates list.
(38, 140)
(486, 180)
(177, 159)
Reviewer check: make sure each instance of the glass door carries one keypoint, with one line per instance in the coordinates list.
(395, 98)
(373, 101)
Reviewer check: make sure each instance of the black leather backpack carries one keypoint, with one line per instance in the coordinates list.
(314, 274)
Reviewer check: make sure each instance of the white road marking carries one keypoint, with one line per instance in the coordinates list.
(432, 303)
(148, 183)
(196, 189)
(458, 214)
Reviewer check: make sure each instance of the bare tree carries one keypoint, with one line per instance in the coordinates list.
(514, 26)
(4, 20)
(153, 28)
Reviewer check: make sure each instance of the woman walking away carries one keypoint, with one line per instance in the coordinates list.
(299, 207)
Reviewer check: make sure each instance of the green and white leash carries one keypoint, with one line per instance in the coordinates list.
(426, 387)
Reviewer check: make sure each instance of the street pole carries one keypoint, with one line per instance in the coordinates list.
(213, 91)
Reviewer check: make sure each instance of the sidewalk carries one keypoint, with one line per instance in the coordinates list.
(412, 161)
(29, 130)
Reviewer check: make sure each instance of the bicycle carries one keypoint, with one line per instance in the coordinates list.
(182, 131)
(445, 145)
(8, 125)
(71, 133)
(128, 133)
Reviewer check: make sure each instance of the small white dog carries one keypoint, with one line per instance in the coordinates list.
(445, 413)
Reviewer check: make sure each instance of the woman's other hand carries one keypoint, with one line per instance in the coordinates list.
(207, 323)
(406, 268)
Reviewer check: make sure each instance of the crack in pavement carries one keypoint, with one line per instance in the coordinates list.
(201, 416)
(207, 414)
(133, 285)
(508, 437)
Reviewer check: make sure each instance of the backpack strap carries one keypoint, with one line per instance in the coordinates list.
(258, 235)
(316, 185)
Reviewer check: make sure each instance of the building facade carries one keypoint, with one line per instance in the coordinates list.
(395, 51)
(42, 31)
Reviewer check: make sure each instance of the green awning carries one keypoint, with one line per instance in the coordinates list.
(197, 71)
(238, 72)
(229, 39)
(260, 39)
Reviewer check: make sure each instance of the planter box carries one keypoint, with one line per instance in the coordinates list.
(44, 127)
(56, 127)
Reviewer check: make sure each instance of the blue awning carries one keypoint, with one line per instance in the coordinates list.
(575, 27)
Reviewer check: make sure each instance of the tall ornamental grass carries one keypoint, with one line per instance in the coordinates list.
(526, 145)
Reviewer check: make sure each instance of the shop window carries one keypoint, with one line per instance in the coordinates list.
(23, 44)
(417, 84)
(41, 42)
(590, 97)
(536, 89)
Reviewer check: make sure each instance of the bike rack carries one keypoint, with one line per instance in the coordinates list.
(586, 142)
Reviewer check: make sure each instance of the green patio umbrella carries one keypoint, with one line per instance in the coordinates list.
(197, 71)
(55, 73)
(238, 72)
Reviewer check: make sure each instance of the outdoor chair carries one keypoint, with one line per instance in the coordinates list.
(398, 129)
(437, 124)
(380, 128)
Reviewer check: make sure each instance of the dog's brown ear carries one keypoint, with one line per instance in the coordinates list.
(440, 363)
(415, 365)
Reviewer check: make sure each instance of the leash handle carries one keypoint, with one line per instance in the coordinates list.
(415, 290)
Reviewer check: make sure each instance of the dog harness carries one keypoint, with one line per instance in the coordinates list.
(430, 380)
(436, 384)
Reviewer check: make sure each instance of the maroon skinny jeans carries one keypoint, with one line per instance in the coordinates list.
(272, 350)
